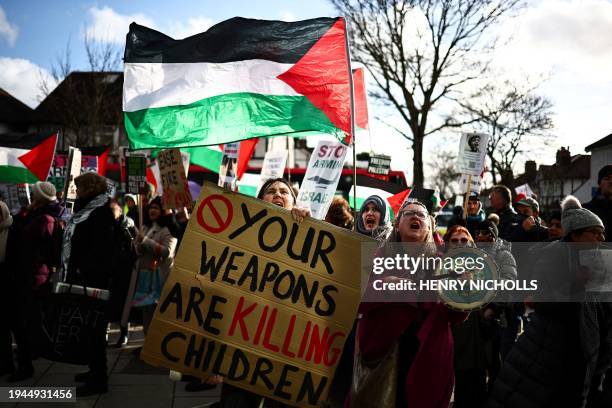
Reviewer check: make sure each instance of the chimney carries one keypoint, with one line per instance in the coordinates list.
(531, 170)
(563, 157)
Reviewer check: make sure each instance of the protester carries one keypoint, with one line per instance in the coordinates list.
(531, 228)
(373, 218)
(125, 258)
(31, 255)
(279, 192)
(155, 247)
(561, 358)
(501, 317)
(339, 213)
(7, 365)
(601, 204)
(470, 341)
(555, 230)
(87, 259)
(501, 199)
(418, 332)
(475, 213)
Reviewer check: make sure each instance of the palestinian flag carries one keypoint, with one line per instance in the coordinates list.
(242, 78)
(210, 157)
(26, 158)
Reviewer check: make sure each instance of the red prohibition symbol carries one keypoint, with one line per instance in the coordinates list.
(213, 203)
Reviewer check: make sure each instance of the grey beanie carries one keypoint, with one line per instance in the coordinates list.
(574, 217)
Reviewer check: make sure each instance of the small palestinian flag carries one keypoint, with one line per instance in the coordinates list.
(26, 158)
(242, 78)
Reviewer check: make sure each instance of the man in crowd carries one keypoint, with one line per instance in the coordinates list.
(475, 213)
(531, 228)
(601, 204)
(501, 198)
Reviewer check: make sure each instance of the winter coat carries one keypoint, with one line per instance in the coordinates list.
(426, 347)
(566, 348)
(157, 250)
(602, 207)
(500, 250)
(508, 222)
(538, 233)
(91, 257)
(473, 221)
(29, 247)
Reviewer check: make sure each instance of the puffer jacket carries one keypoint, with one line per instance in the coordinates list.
(560, 359)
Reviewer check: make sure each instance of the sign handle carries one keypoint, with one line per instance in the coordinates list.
(467, 196)
(140, 218)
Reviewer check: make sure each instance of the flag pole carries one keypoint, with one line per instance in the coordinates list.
(352, 119)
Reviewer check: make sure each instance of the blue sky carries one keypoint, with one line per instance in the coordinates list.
(569, 41)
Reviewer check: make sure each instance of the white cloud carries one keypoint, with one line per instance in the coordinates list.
(21, 77)
(194, 25)
(7, 30)
(572, 38)
(106, 25)
(111, 27)
(286, 15)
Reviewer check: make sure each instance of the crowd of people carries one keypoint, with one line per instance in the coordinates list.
(398, 354)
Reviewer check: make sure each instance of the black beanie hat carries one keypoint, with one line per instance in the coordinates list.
(605, 171)
(488, 226)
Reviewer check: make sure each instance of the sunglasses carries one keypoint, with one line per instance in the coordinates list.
(484, 232)
(457, 240)
(419, 214)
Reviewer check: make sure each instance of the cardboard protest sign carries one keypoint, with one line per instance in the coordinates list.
(321, 178)
(229, 167)
(379, 164)
(176, 192)
(9, 193)
(258, 298)
(472, 153)
(73, 170)
(474, 187)
(273, 166)
(57, 172)
(136, 174)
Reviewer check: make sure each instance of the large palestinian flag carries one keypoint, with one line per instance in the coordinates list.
(26, 158)
(241, 79)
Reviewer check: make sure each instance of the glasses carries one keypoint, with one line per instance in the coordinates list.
(484, 232)
(457, 240)
(419, 214)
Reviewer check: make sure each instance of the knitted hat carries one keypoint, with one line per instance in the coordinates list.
(574, 217)
(605, 171)
(529, 202)
(44, 191)
(488, 226)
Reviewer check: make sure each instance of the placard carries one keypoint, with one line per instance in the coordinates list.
(73, 170)
(273, 166)
(258, 298)
(176, 192)
(229, 167)
(472, 153)
(379, 164)
(136, 174)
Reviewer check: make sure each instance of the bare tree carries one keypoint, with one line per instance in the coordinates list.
(83, 106)
(512, 117)
(443, 171)
(421, 53)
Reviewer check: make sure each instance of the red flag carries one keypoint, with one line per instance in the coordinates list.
(396, 201)
(247, 147)
(103, 161)
(361, 102)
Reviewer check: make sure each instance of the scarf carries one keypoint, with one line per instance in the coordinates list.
(76, 219)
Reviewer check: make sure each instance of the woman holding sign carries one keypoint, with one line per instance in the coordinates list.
(155, 248)
(279, 192)
(406, 344)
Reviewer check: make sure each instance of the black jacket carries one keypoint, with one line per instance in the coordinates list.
(602, 206)
(93, 249)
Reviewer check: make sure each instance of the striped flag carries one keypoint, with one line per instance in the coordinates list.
(26, 158)
(242, 78)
